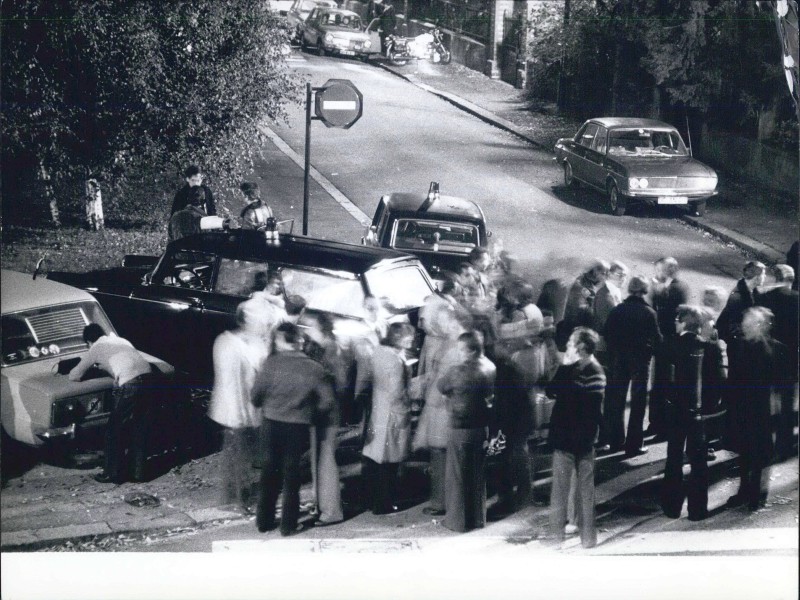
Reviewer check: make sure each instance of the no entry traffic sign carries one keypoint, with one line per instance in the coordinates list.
(338, 103)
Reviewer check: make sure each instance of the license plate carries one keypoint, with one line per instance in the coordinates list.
(348, 53)
(673, 200)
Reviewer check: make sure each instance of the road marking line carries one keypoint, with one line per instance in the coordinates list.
(338, 196)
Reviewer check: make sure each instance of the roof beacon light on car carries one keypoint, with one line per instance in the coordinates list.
(433, 195)
(271, 232)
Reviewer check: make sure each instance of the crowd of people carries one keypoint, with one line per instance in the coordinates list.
(493, 359)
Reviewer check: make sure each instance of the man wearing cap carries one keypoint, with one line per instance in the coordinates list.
(632, 334)
(256, 213)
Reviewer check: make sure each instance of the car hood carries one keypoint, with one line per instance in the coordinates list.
(346, 33)
(667, 166)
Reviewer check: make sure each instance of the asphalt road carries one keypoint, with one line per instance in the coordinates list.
(407, 138)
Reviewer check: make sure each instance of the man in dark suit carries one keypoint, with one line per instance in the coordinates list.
(194, 178)
(631, 335)
(783, 301)
(696, 367)
(741, 298)
(667, 293)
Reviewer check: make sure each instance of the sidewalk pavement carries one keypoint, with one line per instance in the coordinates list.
(741, 214)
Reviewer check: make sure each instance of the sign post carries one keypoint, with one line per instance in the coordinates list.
(338, 103)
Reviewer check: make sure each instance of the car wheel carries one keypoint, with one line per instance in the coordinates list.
(320, 48)
(616, 201)
(698, 209)
(569, 178)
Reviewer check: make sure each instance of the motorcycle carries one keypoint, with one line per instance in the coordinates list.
(429, 46)
(398, 50)
(436, 51)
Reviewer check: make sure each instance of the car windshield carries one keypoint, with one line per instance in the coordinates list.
(435, 236)
(645, 142)
(399, 289)
(44, 332)
(340, 294)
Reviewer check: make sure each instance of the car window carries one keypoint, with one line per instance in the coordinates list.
(399, 289)
(340, 294)
(43, 332)
(186, 268)
(645, 142)
(600, 140)
(587, 138)
(237, 277)
(435, 236)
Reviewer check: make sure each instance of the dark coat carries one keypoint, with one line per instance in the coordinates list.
(185, 222)
(469, 388)
(512, 407)
(182, 199)
(632, 328)
(755, 366)
(785, 305)
(698, 370)
(729, 322)
(575, 420)
(666, 302)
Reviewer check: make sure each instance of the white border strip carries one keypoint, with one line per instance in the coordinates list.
(326, 185)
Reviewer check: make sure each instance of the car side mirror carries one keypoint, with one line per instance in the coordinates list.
(147, 279)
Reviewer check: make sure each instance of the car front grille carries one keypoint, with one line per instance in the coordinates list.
(679, 184)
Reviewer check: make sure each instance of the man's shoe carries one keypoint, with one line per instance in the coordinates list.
(433, 512)
(637, 452)
(736, 500)
(698, 517)
(672, 514)
(104, 478)
(570, 529)
(323, 523)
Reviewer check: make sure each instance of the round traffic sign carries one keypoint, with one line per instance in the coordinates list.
(338, 103)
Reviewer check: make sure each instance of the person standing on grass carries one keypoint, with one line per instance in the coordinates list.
(578, 388)
(293, 391)
(194, 179)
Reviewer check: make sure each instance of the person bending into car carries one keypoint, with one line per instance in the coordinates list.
(194, 179)
(293, 391)
(126, 434)
(186, 221)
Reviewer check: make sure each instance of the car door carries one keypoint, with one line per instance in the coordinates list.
(596, 157)
(582, 166)
(168, 313)
(310, 28)
(374, 35)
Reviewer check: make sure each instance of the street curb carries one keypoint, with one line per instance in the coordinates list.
(748, 244)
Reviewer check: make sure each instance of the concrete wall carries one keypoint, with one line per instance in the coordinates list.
(771, 168)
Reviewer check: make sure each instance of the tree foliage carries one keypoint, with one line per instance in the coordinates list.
(115, 89)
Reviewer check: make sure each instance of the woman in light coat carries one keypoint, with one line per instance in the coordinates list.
(238, 355)
(388, 433)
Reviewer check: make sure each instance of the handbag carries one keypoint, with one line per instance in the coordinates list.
(496, 445)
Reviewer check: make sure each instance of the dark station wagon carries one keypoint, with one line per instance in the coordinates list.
(636, 160)
(177, 304)
(440, 230)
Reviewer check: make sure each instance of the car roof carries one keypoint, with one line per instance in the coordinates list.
(623, 122)
(22, 292)
(443, 207)
(298, 250)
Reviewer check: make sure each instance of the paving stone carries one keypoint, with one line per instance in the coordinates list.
(71, 531)
(204, 515)
(9, 539)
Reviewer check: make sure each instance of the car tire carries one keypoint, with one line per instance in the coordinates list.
(698, 209)
(616, 201)
(320, 49)
(569, 177)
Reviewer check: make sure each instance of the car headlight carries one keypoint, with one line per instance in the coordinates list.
(635, 184)
(709, 182)
(328, 37)
(367, 44)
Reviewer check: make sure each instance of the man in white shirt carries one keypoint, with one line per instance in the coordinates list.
(125, 434)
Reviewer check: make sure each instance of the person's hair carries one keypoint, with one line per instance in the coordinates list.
(599, 266)
(638, 286)
(670, 264)
(290, 332)
(295, 305)
(92, 332)
(473, 341)
(691, 317)
(191, 171)
(764, 315)
(448, 286)
(783, 273)
(260, 281)
(197, 196)
(396, 333)
(753, 269)
(241, 315)
(476, 253)
(250, 189)
(618, 267)
(588, 337)
(714, 297)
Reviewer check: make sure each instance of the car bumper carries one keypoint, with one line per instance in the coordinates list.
(654, 197)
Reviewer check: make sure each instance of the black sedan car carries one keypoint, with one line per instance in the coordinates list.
(440, 230)
(177, 304)
(636, 160)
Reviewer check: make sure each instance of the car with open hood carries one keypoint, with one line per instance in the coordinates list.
(634, 160)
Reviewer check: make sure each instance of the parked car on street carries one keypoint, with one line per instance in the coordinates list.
(440, 230)
(299, 11)
(42, 333)
(336, 31)
(636, 160)
(178, 303)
